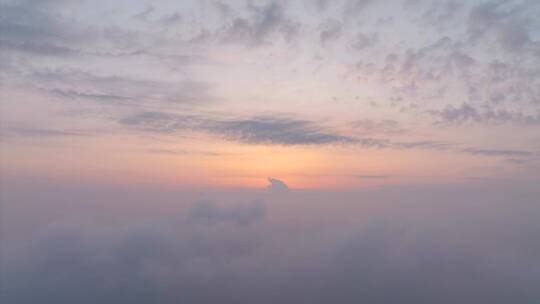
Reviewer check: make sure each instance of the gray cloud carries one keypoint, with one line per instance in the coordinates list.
(276, 185)
(287, 131)
(75, 83)
(509, 23)
(242, 214)
(373, 176)
(331, 30)
(425, 244)
(265, 21)
(70, 94)
(28, 131)
(466, 113)
(426, 144)
(363, 41)
(353, 8)
(257, 130)
(270, 130)
(40, 28)
(498, 152)
(373, 126)
(182, 152)
(43, 49)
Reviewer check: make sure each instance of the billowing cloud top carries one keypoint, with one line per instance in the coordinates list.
(275, 185)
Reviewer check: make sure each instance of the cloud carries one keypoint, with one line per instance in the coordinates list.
(28, 131)
(276, 185)
(331, 30)
(466, 113)
(373, 126)
(78, 243)
(498, 152)
(256, 130)
(271, 130)
(42, 49)
(265, 21)
(81, 84)
(40, 28)
(426, 144)
(507, 23)
(71, 94)
(363, 41)
(209, 212)
(268, 130)
(182, 152)
(373, 176)
(352, 8)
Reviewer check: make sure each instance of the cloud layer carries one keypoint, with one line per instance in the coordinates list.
(430, 244)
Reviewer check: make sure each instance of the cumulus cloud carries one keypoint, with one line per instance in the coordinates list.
(265, 21)
(509, 24)
(363, 41)
(276, 185)
(331, 30)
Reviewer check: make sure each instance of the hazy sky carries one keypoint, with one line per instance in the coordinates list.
(348, 151)
(323, 94)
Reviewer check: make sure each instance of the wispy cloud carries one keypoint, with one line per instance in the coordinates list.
(256, 130)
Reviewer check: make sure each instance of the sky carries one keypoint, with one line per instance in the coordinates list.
(323, 94)
(242, 151)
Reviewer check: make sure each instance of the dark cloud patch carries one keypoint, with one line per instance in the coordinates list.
(224, 9)
(257, 130)
(76, 83)
(363, 41)
(72, 94)
(171, 19)
(441, 14)
(265, 21)
(267, 130)
(466, 113)
(373, 176)
(425, 144)
(352, 8)
(182, 152)
(42, 49)
(242, 214)
(38, 132)
(331, 30)
(498, 152)
(271, 130)
(39, 28)
(145, 13)
(508, 22)
(161, 122)
(374, 126)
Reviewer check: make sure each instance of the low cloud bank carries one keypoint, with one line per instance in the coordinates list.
(401, 245)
